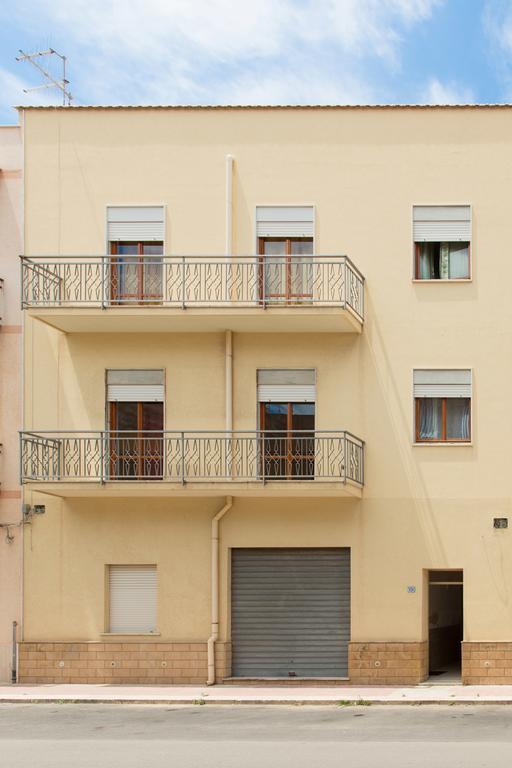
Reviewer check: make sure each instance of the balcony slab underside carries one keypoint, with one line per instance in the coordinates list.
(307, 319)
(152, 489)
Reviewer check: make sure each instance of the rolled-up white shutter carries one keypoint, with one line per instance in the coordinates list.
(442, 383)
(132, 598)
(441, 223)
(285, 221)
(140, 223)
(286, 386)
(137, 386)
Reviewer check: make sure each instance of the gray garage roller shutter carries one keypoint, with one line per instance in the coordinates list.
(290, 612)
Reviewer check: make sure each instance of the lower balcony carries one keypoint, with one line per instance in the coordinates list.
(305, 463)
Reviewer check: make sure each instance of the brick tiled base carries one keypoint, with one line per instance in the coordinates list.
(122, 662)
(487, 663)
(388, 663)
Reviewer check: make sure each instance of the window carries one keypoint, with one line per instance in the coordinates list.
(442, 405)
(287, 420)
(136, 273)
(442, 236)
(285, 247)
(286, 270)
(132, 598)
(136, 237)
(136, 421)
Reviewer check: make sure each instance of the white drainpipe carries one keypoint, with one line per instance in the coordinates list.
(229, 426)
(215, 589)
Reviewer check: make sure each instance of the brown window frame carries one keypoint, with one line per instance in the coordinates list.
(290, 456)
(141, 297)
(443, 438)
(288, 297)
(439, 279)
(140, 458)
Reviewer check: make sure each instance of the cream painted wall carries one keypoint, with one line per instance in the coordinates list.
(10, 377)
(363, 169)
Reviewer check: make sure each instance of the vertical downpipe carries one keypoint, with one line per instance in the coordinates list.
(215, 589)
(14, 662)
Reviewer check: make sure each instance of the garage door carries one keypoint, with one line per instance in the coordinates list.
(290, 612)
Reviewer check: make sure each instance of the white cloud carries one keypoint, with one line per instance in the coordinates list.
(447, 93)
(191, 51)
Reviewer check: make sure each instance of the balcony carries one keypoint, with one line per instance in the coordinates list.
(305, 463)
(194, 293)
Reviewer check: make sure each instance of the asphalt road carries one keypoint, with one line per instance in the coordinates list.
(150, 736)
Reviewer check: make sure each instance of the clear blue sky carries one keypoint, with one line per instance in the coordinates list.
(261, 51)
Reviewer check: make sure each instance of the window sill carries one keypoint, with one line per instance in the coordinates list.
(444, 280)
(447, 444)
(130, 634)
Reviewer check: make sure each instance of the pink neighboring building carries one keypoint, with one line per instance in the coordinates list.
(11, 531)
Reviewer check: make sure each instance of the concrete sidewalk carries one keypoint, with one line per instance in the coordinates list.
(237, 694)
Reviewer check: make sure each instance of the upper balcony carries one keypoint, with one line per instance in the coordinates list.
(194, 293)
(159, 463)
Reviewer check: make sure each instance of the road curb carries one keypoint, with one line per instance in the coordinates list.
(259, 702)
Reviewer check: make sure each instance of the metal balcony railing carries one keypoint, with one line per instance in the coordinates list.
(192, 281)
(182, 457)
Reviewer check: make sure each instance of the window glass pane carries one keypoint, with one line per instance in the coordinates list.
(152, 416)
(275, 269)
(459, 260)
(125, 276)
(152, 249)
(428, 261)
(150, 446)
(443, 261)
(274, 247)
(457, 418)
(127, 249)
(125, 416)
(152, 278)
(276, 416)
(303, 416)
(302, 247)
(431, 417)
(301, 269)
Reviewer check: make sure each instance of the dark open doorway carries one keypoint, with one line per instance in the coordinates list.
(445, 621)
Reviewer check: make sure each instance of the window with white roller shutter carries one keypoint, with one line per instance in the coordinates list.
(132, 598)
(442, 239)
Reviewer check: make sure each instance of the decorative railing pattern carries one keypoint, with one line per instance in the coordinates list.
(192, 281)
(191, 456)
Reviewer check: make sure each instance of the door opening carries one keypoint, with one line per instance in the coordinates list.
(445, 622)
(136, 440)
(288, 440)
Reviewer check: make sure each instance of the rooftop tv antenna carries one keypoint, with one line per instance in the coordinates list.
(51, 82)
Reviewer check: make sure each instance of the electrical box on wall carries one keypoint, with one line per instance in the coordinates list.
(501, 522)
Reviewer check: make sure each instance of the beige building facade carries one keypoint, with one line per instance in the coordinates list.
(11, 533)
(265, 415)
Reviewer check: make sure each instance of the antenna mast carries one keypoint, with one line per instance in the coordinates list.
(62, 84)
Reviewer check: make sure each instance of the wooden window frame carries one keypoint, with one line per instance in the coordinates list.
(443, 438)
(140, 297)
(290, 457)
(439, 279)
(140, 457)
(288, 297)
